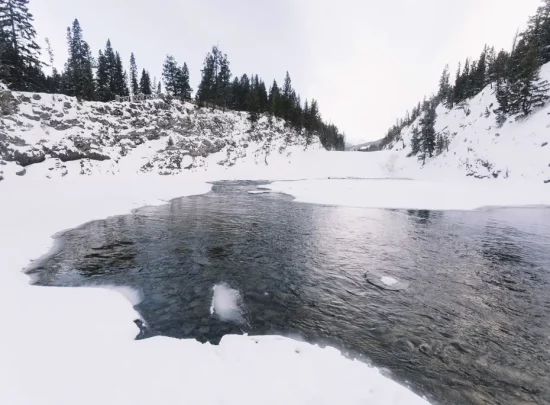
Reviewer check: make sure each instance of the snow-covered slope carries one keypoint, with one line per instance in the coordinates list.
(479, 148)
(151, 136)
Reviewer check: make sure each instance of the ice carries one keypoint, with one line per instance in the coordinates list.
(227, 304)
(388, 280)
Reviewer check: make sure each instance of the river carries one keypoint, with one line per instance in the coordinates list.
(454, 304)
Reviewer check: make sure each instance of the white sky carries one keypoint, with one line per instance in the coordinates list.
(365, 61)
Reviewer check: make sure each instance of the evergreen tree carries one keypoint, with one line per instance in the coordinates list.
(19, 53)
(134, 87)
(428, 132)
(286, 99)
(480, 79)
(444, 86)
(215, 86)
(253, 107)
(159, 88)
(274, 100)
(527, 90)
(183, 90)
(458, 90)
(262, 96)
(415, 142)
(110, 63)
(223, 82)
(78, 69)
(243, 90)
(119, 79)
(145, 83)
(170, 74)
(103, 86)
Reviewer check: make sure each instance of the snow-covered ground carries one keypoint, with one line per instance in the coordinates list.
(67, 346)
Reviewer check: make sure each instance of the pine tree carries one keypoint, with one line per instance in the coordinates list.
(119, 79)
(415, 142)
(286, 99)
(527, 90)
(428, 132)
(215, 86)
(262, 96)
(78, 69)
(458, 88)
(19, 53)
(244, 89)
(110, 66)
(253, 107)
(183, 90)
(134, 87)
(145, 83)
(444, 86)
(274, 100)
(103, 88)
(170, 74)
(223, 82)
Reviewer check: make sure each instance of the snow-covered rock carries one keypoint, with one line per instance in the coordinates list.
(150, 136)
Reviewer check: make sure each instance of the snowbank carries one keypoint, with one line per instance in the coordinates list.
(75, 346)
(466, 194)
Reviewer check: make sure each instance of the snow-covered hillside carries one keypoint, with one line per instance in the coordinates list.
(70, 137)
(479, 148)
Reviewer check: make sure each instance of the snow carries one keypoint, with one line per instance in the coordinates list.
(76, 345)
(464, 194)
(226, 303)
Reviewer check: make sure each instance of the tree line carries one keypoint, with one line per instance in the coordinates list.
(103, 77)
(513, 76)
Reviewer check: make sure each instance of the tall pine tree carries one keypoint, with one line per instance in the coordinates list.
(78, 69)
(134, 86)
(145, 83)
(19, 52)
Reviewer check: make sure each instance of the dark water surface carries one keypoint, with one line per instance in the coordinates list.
(467, 323)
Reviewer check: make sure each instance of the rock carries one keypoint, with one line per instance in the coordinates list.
(29, 157)
(25, 99)
(67, 105)
(544, 144)
(547, 181)
(2, 163)
(60, 125)
(31, 117)
(8, 103)
(21, 172)
(36, 97)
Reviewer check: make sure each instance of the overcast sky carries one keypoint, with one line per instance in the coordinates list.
(365, 61)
